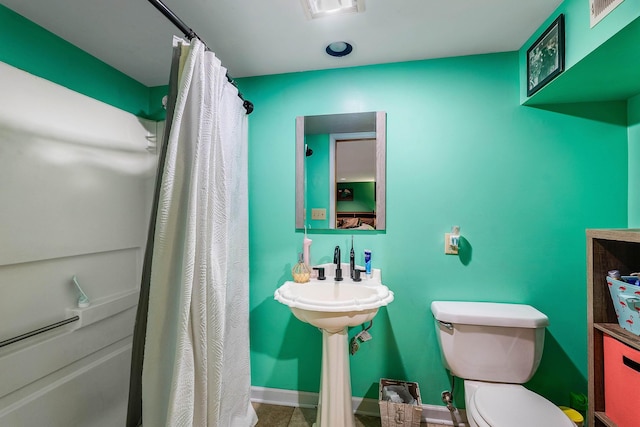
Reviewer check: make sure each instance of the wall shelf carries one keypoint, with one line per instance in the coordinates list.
(609, 73)
(604, 420)
(103, 308)
(606, 250)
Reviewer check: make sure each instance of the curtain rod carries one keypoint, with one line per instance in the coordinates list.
(190, 35)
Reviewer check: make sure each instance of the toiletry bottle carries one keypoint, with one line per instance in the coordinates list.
(306, 251)
(352, 261)
(367, 263)
(300, 271)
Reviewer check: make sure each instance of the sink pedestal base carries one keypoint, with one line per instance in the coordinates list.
(334, 405)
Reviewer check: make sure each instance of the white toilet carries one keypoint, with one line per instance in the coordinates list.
(495, 348)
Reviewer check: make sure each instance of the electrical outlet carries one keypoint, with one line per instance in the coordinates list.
(318, 213)
(447, 247)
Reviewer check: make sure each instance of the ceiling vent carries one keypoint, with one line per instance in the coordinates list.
(601, 8)
(320, 8)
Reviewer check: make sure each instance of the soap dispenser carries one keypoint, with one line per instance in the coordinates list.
(300, 272)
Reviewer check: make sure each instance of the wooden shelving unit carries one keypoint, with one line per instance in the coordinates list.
(606, 250)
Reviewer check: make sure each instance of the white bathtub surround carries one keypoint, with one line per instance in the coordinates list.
(75, 189)
(196, 362)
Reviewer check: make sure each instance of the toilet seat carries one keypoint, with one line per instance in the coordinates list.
(508, 405)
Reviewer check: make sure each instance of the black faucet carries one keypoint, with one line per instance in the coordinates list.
(336, 261)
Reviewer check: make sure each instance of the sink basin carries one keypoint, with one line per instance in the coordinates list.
(332, 305)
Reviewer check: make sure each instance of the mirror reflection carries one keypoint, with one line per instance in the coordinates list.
(340, 171)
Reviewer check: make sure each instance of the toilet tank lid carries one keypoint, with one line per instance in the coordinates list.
(489, 314)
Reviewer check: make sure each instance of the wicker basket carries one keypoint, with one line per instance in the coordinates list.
(400, 414)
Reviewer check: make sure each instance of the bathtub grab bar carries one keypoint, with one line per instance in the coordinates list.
(39, 331)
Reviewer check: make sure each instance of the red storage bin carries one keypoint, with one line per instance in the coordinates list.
(621, 383)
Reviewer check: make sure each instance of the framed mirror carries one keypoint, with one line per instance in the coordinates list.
(340, 171)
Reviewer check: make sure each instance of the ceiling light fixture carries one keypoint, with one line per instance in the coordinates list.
(339, 49)
(320, 8)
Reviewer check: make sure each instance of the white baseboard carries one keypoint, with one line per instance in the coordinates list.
(430, 413)
(277, 396)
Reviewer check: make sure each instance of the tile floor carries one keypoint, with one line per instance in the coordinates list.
(288, 416)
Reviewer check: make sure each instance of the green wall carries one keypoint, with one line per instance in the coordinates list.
(522, 183)
(363, 197)
(31, 48)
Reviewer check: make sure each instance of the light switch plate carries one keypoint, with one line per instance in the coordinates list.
(448, 250)
(318, 213)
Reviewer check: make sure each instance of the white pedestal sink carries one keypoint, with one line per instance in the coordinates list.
(333, 307)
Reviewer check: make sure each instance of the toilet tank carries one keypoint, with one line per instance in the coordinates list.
(484, 341)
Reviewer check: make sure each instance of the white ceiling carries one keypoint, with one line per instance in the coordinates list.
(259, 37)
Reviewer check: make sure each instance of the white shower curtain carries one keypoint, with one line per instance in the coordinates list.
(196, 368)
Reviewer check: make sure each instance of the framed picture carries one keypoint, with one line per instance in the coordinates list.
(345, 194)
(545, 58)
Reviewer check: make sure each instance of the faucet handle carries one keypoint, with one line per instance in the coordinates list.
(321, 275)
(356, 275)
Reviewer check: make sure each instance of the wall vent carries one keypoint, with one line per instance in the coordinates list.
(601, 8)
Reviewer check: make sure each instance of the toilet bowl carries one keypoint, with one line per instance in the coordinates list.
(496, 348)
(510, 405)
